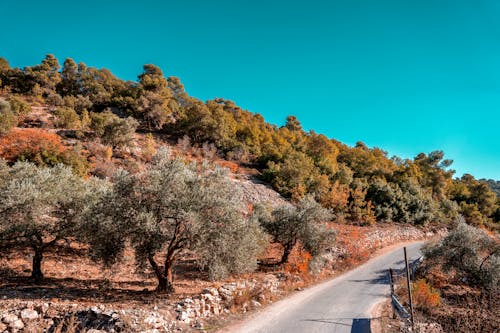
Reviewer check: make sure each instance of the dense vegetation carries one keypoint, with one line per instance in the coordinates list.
(358, 184)
(51, 191)
(459, 281)
(170, 208)
(494, 185)
(469, 253)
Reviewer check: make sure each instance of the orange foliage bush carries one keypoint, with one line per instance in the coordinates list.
(424, 296)
(27, 143)
(299, 263)
(350, 239)
(233, 167)
(40, 147)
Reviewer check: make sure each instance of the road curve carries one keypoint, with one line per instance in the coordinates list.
(341, 305)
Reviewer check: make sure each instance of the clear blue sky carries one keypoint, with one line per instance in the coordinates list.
(405, 76)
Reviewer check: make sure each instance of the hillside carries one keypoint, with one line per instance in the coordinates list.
(359, 184)
(133, 206)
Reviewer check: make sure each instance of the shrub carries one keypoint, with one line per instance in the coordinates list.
(112, 129)
(299, 264)
(424, 296)
(119, 132)
(98, 121)
(18, 106)
(67, 118)
(470, 253)
(40, 147)
(148, 147)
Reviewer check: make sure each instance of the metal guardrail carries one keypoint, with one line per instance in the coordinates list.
(400, 309)
(413, 267)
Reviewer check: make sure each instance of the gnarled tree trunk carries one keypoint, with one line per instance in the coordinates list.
(286, 253)
(165, 276)
(36, 271)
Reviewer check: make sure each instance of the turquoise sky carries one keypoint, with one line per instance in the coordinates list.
(406, 76)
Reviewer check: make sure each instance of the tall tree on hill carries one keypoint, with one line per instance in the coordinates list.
(155, 101)
(46, 75)
(433, 172)
(476, 200)
(4, 68)
(69, 84)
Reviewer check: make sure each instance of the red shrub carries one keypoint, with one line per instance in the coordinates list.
(40, 147)
(425, 297)
(299, 263)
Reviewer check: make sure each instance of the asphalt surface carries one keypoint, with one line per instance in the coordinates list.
(341, 305)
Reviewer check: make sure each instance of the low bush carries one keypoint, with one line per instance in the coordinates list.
(42, 148)
(67, 118)
(113, 130)
(18, 106)
(298, 264)
(424, 296)
(470, 253)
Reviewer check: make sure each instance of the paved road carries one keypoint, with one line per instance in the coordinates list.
(341, 305)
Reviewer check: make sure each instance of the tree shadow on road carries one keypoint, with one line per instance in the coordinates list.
(358, 325)
(382, 277)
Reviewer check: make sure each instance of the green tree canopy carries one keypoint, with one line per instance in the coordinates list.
(41, 206)
(304, 223)
(170, 208)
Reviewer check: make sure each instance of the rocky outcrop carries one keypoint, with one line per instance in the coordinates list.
(257, 192)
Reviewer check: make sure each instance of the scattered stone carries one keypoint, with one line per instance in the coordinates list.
(9, 318)
(184, 317)
(254, 304)
(17, 324)
(150, 320)
(198, 325)
(211, 291)
(29, 314)
(429, 328)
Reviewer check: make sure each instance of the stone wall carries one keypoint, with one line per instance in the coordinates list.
(245, 295)
(37, 316)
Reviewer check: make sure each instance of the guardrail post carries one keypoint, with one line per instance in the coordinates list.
(391, 280)
(409, 290)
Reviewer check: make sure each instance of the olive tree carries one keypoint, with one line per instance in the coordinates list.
(470, 253)
(304, 222)
(169, 208)
(40, 206)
